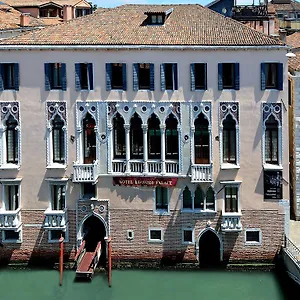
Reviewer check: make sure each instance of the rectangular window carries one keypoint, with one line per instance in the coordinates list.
(198, 76)
(12, 141)
(11, 236)
(84, 76)
(231, 199)
(55, 76)
(9, 76)
(187, 236)
(58, 193)
(88, 190)
(116, 76)
(11, 200)
(55, 235)
(272, 76)
(156, 19)
(169, 76)
(161, 198)
(228, 76)
(155, 235)
(253, 236)
(143, 76)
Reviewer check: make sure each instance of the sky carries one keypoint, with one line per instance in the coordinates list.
(113, 3)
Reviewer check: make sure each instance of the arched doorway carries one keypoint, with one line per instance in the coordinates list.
(94, 231)
(209, 249)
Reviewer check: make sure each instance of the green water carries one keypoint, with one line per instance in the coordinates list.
(146, 285)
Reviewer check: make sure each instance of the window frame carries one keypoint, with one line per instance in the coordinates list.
(88, 73)
(232, 184)
(195, 76)
(12, 241)
(110, 80)
(158, 241)
(279, 76)
(235, 74)
(10, 182)
(253, 243)
(164, 79)
(54, 194)
(193, 236)
(162, 211)
(55, 80)
(52, 241)
(82, 197)
(9, 69)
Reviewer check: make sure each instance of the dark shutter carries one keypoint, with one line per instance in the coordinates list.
(135, 77)
(192, 71)
(220, 76)
(263, 76)
(91, 76)
(16, 76)
(63, 77)
(124, 77)
(1, 77)
(162, 78)
(280, 76)
(151, 77)
(47, 76)
(77, 77)
(108, 76)
(175, 75)
(205, 76)
(236, 76)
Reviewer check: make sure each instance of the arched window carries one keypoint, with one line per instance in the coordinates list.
(154, 138)
(89, 139)
(119, 137)
(187, 202)
(12, 139)
(58, 140)
(210, 199)
(136, 137)
(201, 140)
(229, 140)
(271, 141)
(199, 199)
(171, 137)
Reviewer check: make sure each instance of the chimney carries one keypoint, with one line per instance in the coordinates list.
(271, 25)
(282, 35)
(67, 12)
(24, 19)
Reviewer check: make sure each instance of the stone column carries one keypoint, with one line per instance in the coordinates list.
(127, 141)
(145, 146)
(163, 148)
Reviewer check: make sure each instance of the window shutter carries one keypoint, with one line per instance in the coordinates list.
(263, 76)
(162, 78)
(192, 70)
(124, 77)
(91, 76)
(77, 77)
(16, 76)
(205, 76)
(175, 74)
(63, 77)
(135, 77)
(47, 76)
(151, 77)
(220, 76)
(280, 76)
(108, 76)
(236, 76)
(1, 78)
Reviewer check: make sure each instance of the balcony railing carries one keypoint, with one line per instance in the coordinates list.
(139, 167)
(231, 222)
(249, 11)
(55, 219)
(10, 219)
(201, 173)
(85, 172)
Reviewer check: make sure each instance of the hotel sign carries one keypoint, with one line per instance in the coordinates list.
(273, 185)
(144, 181)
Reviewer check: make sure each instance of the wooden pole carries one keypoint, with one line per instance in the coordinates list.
(109, 261)
(61, 259)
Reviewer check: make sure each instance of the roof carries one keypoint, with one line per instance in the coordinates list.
(10, 18)
(294, 62)
(293, 40)
(31, 3)
(188, 24)
(294, 5)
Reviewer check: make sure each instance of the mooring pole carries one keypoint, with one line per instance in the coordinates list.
(109, 261)
(61, 259)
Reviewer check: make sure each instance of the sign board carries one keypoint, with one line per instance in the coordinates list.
(145, 181)
(273, 184)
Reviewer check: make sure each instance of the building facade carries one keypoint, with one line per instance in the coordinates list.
(170, 140)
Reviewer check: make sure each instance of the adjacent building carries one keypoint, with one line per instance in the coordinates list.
(164, 127)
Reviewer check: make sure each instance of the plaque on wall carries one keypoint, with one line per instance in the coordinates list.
(273, 184)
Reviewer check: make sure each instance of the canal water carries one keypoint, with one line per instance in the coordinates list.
(148, 285)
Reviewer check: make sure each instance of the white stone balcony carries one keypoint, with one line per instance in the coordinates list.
(10, 219)
(85, 172)
(55, 219)
(231, 222)
(138, 167)
(201, 173)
